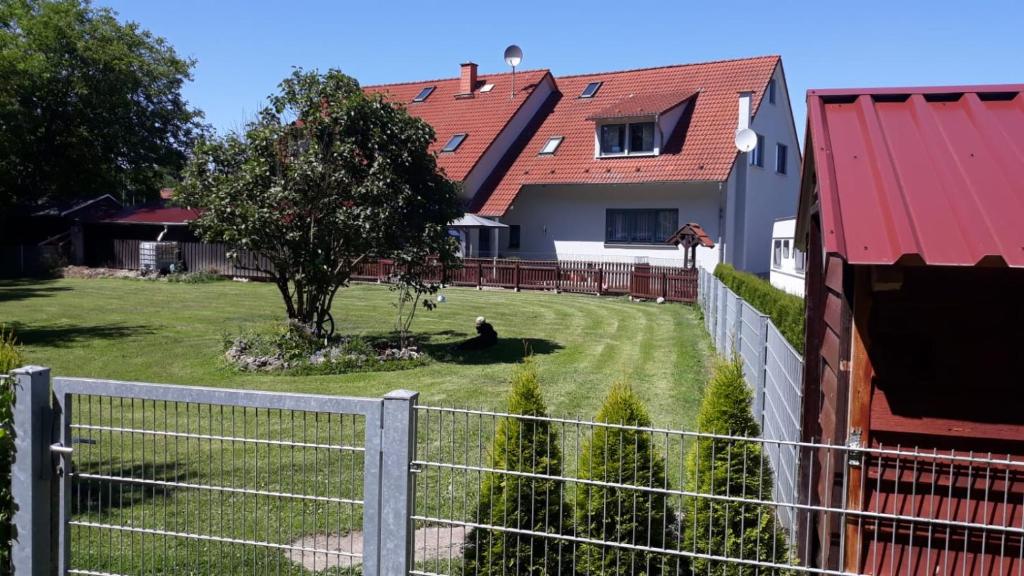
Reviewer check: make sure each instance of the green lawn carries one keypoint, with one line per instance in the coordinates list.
(172, 333)
(164, 332)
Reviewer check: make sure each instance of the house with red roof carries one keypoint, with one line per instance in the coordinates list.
(610, 165)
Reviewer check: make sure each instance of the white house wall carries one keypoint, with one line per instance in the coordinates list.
(769, 195)
(568, 221)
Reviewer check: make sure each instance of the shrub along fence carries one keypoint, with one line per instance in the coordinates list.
(772, 367)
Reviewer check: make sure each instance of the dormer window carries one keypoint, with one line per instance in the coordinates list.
(424, 94)
(591, 90)
(454, 143)
(632, 138)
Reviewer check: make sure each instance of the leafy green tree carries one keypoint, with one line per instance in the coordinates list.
(325, 177)
(88, 105)
(735, 468)
(624, 515)
(520, 502)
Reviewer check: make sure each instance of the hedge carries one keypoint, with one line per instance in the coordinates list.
(785, 310)
(10, 358)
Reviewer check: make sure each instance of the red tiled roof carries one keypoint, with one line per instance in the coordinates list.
(481, 117)
(641, 105)
(706, 153)
(936, 174)
(154, 214)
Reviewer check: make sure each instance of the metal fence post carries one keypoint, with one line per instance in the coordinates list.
(399, 450)
(762, 369)
(31, 475)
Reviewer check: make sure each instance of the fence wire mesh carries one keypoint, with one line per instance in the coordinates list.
(164, 487)
(510, 494)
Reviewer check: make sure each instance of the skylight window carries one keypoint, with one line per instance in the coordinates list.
(454, 143)
(591, 89)
(487, 87)
(551, 145)
(424, 94)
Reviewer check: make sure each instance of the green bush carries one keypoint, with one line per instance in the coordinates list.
(10, 358)
(736, 468)
(785, 310)
(201, 277)
(519, 502)
(628, 516)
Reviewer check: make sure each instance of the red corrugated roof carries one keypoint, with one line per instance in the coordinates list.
(641, 105)
(935, 174)
(154, 215)
(706, 152)
(481, 117)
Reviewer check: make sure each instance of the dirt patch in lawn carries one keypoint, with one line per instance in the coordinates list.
(432, 543)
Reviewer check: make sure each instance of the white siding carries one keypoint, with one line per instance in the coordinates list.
(769, 196)
(784, 274)
(568, 221)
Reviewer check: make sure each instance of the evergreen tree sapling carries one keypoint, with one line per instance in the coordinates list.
(736, 468)
(624, 515)
(521, 503)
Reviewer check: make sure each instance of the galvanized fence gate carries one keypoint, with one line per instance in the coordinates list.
(149, 478)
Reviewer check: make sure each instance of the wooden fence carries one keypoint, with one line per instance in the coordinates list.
(636, 280)
(583, 277)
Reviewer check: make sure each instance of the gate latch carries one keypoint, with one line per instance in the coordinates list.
(58, 448)
(64, 453)
(855, 453)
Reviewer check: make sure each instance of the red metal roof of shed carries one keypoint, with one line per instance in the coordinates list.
(935, 174)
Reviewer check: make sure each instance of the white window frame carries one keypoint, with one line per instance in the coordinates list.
(557, 142)
(643, 120)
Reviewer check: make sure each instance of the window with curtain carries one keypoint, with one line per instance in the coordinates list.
(640, 226)
(777, 254)
(613, 139)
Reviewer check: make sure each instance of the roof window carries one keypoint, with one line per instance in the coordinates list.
(454, 142)
(551, 145)
(591, 90)
(487, 87)
(424, 94)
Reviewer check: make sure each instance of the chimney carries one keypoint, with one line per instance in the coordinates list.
(467, 80)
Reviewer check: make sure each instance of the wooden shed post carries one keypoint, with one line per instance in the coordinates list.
(861, 375)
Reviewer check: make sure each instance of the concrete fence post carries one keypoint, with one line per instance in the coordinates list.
(32, 478)
(398, 443)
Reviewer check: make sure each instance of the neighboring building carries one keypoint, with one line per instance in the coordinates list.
(911, 209)
(788, 261)
(609, 165)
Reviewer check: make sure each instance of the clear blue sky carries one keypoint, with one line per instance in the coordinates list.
(244, 48)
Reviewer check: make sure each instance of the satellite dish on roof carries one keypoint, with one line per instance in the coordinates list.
(746, 140)
(513, 55)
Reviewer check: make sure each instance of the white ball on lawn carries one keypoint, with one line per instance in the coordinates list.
(441, 298)
(660, 300)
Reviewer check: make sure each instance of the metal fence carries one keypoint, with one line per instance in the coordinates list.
(140, 478)
(772, 368)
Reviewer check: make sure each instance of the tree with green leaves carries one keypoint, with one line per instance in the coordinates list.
(730, 467)
(325, 177)
(624, 515)
(522, 503)
(88, 105)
